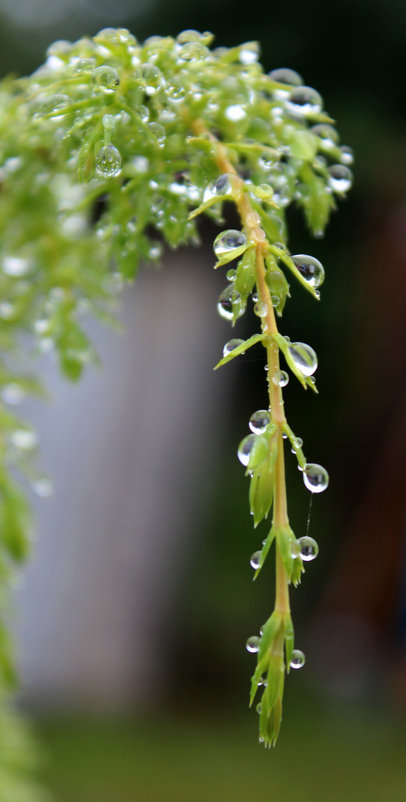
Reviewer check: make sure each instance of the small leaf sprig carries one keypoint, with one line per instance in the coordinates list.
(112, 148)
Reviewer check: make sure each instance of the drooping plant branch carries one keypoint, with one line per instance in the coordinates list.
(110, 149)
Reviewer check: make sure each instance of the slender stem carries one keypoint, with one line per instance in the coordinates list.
(251, 222)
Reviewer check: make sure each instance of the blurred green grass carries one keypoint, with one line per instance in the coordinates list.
(339, 754)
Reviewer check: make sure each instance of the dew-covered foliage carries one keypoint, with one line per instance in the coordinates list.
(109, 152)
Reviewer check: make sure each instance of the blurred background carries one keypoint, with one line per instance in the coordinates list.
(132, 616)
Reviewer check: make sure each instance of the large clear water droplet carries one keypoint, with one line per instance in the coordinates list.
(259, 420)
(252, 644)
(225, 184)
(227, 303)
(304, 101)
(106, 77)
(298, 659)
(245, 448)
(280, 378)
(309, 549)
(193, 51)
(108, 161)
(232, 345)
(311, 269)
(283, 75)
(340, 178)
(304, 357)
(327, 134)
(315, 477)
(347, 154)
(255, 559)
(228, 241)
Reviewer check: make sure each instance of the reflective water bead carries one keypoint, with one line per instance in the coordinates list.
(231, 274)
(231, 346)
(304, 100)
(158, 131)
(108, 161)
(297, 442)
(311, 269)
(347, 154)
(16, 266)
(152, 77)
(193, 51)
(189, 35)
(255, 559)
(283, 75)
(106, 77)
(304, 357)
(12, 394)
(252, 644)
(340, 178)
(223, 185)
(142, 112)
(315, 477)
(280, 378)
(249, 53)
(235, 113)
(226, 301)
(309, 549)
(298, 659)
(228, 241)
(266, 161)
(43, 486)
(260, 309)
(244, 449)
(326, 133)
(259, 420)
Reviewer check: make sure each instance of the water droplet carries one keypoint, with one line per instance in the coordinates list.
(249, 53)
(155, 250)
(260, 309)
(340, 178)
(25, 439)
(107, 78)
(54, 103)
(315, 477)
(309, 549)
(152, 77)
(297, 442)
(304, 101)
(326, 133)
(298, 659)
(231, 274)
(140, 164)
(283, 75)
(176, 93)
(158, 131)
(142, 112)
(244, 449)
(193, 51)
(108, 161)
(280, 378)
(347, 154)
(259, 420)
(231, 346)
(266, 161)
(255, 559)
(43, 486)
(225, 184)
(304, 357)
(311, 269)
(226, 302)
(235, 113)
(12, 394)
(228, 241)
(83, 64)
(252, 644)
(189, 35)
(16, 266)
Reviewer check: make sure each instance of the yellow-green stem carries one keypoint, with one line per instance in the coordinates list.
(251, 222)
